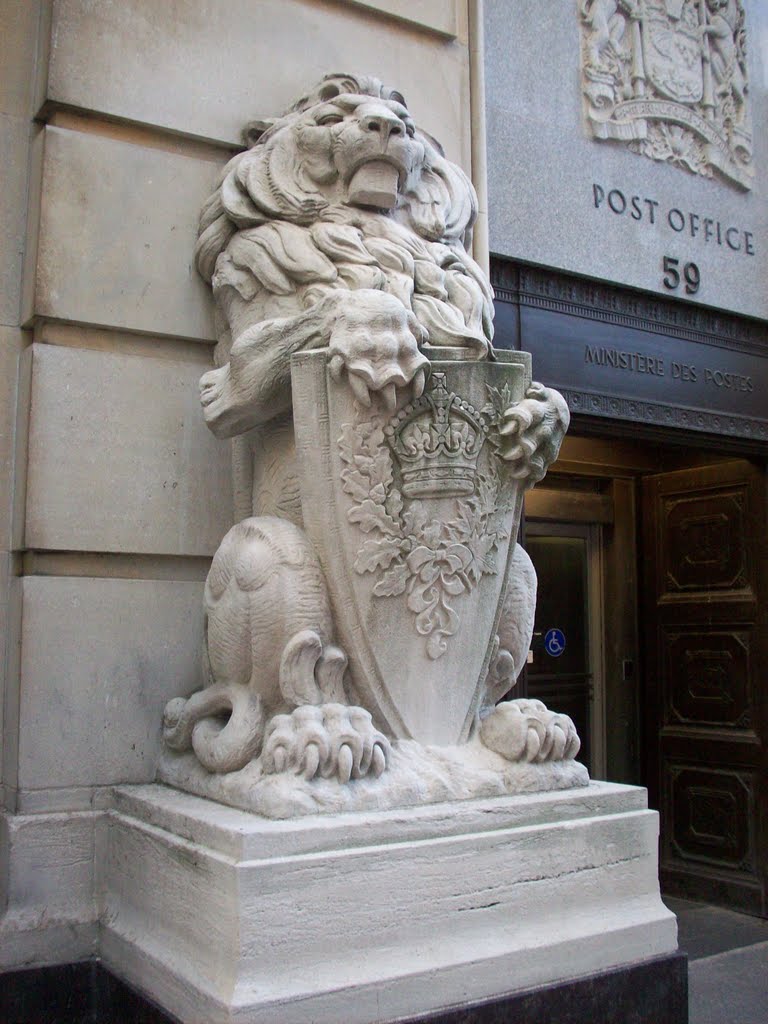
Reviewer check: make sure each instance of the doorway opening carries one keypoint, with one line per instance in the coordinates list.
(651, 633)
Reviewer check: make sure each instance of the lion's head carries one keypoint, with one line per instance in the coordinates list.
(302, 163)
(342, 173)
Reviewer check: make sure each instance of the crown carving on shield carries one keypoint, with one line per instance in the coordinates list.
(436, 441)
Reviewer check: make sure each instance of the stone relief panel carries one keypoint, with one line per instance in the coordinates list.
(669, 78)
(371, 607)
(437, 442)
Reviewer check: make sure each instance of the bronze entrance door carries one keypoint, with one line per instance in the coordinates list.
(707, 679)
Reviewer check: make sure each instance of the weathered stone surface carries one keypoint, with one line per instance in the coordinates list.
(439, 15)
(93, 692)
(17, 48)
(165, 52)
(10, 624)
(554, 217)
(416, 776)
(427, 907)
(54, 873)
(119, 460)
(11, 344)
(117, 229)
(50, 913)
(19, 19)
(14, 145)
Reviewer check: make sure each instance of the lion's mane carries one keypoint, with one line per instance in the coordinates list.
(268, 228)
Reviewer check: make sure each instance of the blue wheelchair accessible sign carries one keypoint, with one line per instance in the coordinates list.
(554, 642)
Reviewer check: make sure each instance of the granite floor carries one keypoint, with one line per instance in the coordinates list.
(728, 963)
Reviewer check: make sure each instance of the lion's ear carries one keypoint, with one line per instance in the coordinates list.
(437, 146)
(254, 130)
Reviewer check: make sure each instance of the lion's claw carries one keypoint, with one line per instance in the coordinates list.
(532, 431)
(324, 741)
(378, 762)
(526, 730)
(336, 367)
(419, 382)
(345, 763)
(376, 340)
(359, 390)
(309, 763)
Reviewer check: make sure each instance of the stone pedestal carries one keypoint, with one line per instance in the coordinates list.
(219, 915)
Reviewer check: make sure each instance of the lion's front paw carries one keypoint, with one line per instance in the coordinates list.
(526, 730)
(331, 739)
(532, 431)
(214, 393)
(376, 340)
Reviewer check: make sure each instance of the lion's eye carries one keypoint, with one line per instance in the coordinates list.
(328, 119)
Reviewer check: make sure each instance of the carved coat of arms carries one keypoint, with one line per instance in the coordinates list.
(372, 605)
(416, 522)
(670, 78)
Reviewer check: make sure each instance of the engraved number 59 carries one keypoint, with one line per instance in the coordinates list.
(691, 274)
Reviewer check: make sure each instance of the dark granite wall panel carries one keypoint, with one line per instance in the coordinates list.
(652, 992)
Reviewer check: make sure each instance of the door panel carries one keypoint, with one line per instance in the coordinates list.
(705, 611)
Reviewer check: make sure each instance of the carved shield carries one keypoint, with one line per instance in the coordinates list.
(673, 49)
(414, 517)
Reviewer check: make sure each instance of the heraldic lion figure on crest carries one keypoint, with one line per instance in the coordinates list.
(341, 227)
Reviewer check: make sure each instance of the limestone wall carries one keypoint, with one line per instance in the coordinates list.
(113, 495)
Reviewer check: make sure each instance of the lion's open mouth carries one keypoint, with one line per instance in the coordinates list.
(375, 183)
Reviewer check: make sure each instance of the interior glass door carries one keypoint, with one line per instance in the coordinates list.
(564, 663)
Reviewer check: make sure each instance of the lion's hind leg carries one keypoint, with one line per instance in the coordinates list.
(224, 722)
(515, 628)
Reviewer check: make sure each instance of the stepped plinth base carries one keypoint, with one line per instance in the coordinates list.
(219, 915)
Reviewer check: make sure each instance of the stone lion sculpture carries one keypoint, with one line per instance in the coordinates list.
(342, 227)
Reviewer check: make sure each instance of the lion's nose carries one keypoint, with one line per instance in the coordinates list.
(384, 123)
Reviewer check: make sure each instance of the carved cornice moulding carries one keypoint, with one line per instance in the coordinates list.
(577, 303)
(669, 78)
(551, 289)
(657, 414)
